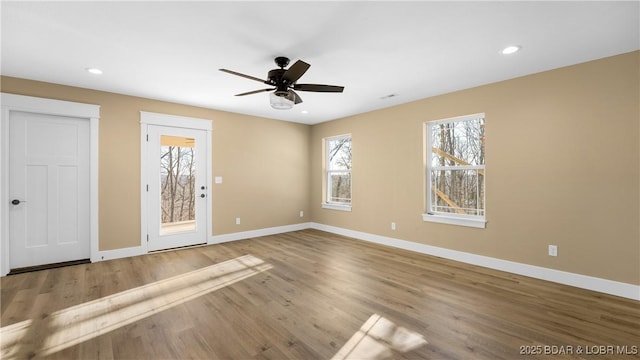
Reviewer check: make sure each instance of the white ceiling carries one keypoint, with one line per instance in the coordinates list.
(172, 50)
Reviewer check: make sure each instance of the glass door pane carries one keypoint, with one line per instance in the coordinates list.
(177, 184)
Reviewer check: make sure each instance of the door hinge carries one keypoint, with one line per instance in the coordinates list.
(147, 137)
(147, 187)
(147, 237)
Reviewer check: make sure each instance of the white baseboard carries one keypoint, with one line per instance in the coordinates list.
(611, 287)
(119, 253)
(217, 239)
(629, 291)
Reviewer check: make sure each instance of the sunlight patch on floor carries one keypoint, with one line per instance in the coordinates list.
(74, 325)
(377, 338)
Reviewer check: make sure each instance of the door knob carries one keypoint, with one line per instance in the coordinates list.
(16, 202)
(202, 195)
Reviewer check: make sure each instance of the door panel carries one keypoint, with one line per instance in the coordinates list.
(177, 187)
(68, 205)
(35, 217)
(49, 178)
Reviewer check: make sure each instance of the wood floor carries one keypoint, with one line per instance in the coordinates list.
(306, 295)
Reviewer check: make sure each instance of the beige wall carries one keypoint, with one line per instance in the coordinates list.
(563, 163)
(563, 155)
(264, 163)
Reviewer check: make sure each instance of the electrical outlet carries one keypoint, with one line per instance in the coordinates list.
(393, 226)
(301, 213)
(237, 221)
(553, 250)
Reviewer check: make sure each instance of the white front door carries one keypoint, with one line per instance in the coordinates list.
(177, 187)
(49, 211)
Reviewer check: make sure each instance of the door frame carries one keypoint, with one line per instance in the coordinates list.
(21, 103)
(157, 119)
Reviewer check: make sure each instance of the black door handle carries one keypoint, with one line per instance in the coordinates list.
(15, 202)
(202, 195)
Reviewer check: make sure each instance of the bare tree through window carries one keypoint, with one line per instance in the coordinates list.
(457, 166)
(177, 183)
(338, 169)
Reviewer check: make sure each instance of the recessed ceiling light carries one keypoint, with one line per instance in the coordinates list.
(94, 71)
(511, 49)
(304, 112)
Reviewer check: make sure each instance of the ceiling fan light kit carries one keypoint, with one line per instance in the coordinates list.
(283, 81)
(280, 102)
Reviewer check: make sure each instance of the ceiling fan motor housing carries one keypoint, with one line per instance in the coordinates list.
(275, 79)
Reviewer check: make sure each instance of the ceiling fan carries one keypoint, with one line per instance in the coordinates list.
(283, 81)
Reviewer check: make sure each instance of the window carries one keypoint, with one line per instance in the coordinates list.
(338, 172)
(456, 171)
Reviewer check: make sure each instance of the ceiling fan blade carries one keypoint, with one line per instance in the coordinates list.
(254, 92)
(296, 98)
(244, 76)
(295, 71)
(318, 88)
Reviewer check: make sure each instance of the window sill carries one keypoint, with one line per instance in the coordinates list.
(455, 220)
(341, 207)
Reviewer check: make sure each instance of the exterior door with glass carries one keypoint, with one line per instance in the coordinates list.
(177, 187)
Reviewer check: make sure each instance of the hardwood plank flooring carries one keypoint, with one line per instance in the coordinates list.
(304, 295)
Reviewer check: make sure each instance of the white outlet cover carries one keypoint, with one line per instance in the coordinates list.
(553, 250)
(218, 180)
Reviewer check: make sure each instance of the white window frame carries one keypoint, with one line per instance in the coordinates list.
(449, 218)
(328, 204)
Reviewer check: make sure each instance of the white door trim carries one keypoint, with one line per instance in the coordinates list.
(149, 118)
(90, 112)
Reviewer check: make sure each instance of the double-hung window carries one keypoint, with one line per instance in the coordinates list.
(455, 171)
(337, 172)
